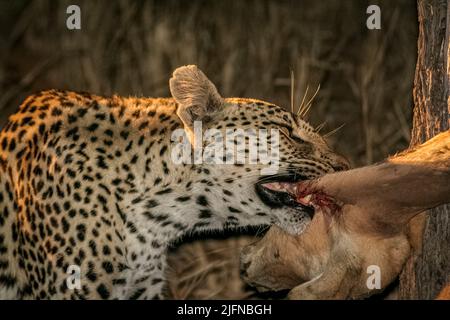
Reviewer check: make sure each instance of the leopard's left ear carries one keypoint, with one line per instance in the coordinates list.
(196, 95)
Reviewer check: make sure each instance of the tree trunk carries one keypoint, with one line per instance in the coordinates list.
(428, 269)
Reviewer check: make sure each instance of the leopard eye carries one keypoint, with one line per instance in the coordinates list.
(291, 136)
(286, 130)
(297, 139)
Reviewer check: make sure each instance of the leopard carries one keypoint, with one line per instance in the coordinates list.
(91, 197)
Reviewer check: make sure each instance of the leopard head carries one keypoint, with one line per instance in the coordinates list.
(244, 144)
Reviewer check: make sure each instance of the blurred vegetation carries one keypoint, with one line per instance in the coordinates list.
(247, 48)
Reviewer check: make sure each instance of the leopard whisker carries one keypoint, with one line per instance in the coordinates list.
(334, 131)
(300, 108)
(309, 103)
(292, 90)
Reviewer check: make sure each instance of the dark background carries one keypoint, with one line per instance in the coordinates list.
(247, 48)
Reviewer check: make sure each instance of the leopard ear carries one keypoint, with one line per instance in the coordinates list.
(196, 95)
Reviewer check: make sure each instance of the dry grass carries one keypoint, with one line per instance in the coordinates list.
(208, 270)
(248, 49)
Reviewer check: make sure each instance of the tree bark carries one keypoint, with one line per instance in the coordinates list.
(428, 269)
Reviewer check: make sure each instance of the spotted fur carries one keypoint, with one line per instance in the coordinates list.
(87, 180)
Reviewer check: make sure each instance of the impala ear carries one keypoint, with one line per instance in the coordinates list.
(196, 95)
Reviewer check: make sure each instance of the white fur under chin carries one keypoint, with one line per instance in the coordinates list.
(295, 229)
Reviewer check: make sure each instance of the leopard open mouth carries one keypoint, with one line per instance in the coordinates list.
(298, 194)
(279, 193)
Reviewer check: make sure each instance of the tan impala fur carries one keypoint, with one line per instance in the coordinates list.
(332, 259)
